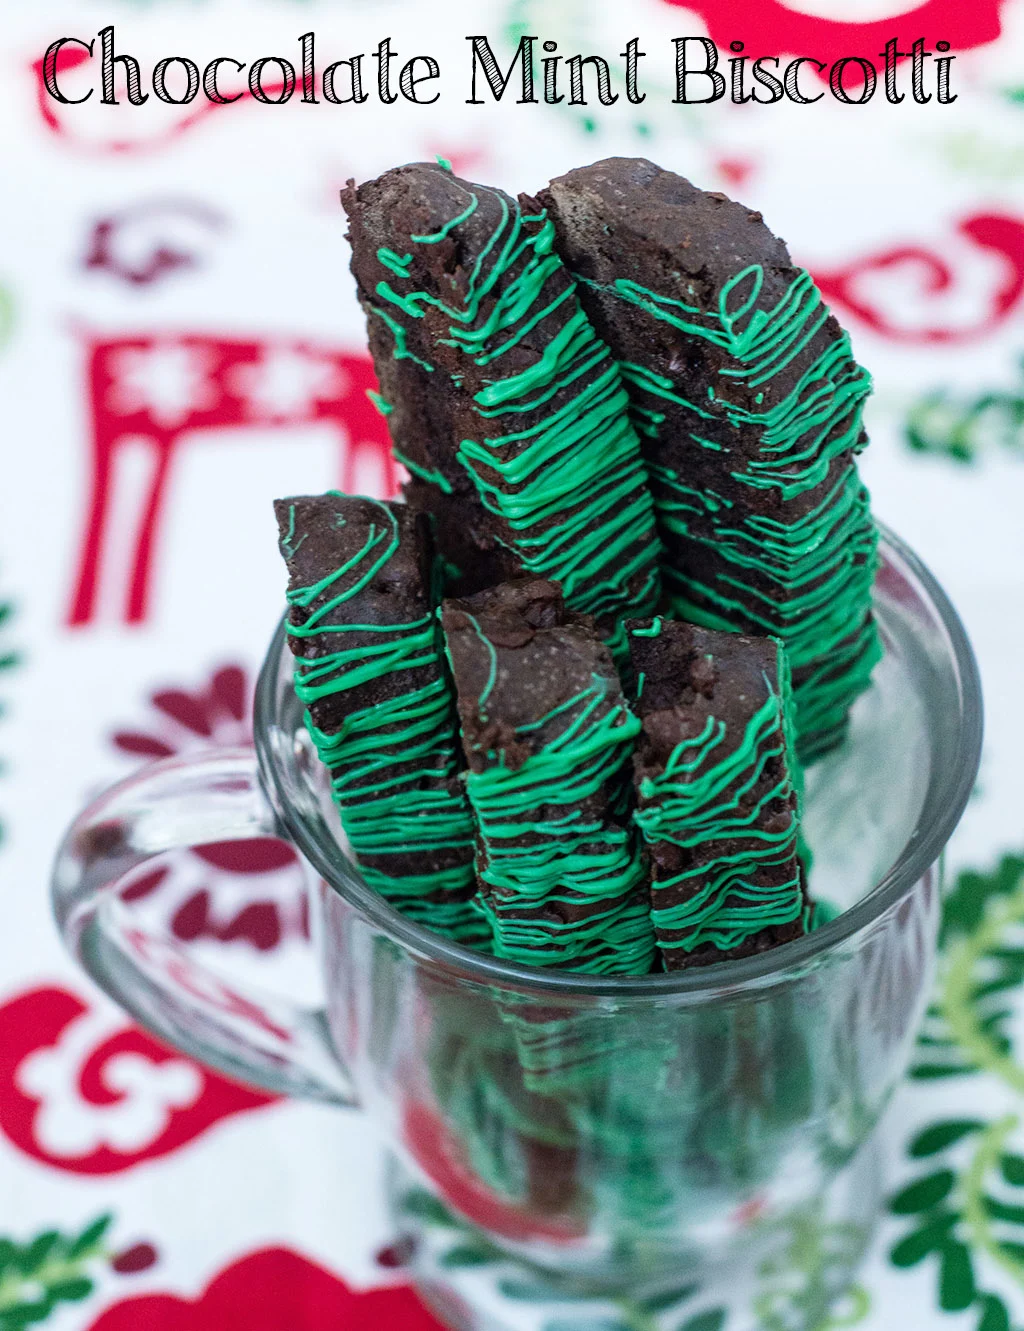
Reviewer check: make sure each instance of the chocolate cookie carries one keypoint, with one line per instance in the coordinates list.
(548, 736)
(369, 667)
(503, 398)
(748, 402)
(716, 798)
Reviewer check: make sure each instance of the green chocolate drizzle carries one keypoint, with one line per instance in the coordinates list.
(394, 772)
(430, 474)
(545, 843)
(709, 801)
(563, 469)
(806, 579)
(381, 403)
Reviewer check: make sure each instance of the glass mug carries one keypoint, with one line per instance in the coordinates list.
(626, 1142)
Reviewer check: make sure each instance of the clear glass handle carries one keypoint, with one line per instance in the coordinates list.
(171, 805)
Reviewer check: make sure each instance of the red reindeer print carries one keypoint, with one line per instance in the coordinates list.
(996, 235)
(164, 389)
(273, 1289)
(771, 27)
(85, 1093)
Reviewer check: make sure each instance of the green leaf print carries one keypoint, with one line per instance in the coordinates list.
(712, 1320)
(1013, 1170)
(924, 1194)
(942, 1135)
(931, 1237)
(964, 429)
(956, 1279)
(50, 1269)
(994, 1316)
(966, 1210)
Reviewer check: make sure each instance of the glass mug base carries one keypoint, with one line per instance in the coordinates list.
(623, 1137)
(792, 1270)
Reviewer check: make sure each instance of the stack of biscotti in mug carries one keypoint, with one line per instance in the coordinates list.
(565, 690)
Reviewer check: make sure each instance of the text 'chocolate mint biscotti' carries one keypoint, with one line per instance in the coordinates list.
(716, 799)
(506, 401)
(748, 401)
(369, 667)
(548, 738)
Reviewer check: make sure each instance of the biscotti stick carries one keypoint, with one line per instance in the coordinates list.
(548, 737)
(461, 282)
(369, 668)
(419, 420)
(748, 402)
(716, 799)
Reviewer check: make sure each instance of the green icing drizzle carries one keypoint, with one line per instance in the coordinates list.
(806, 580)
(381, 403)
(288, 542)
(401, 351)
(398, 263)
(816, 578)
(393, 764)
(542, 847)
(709, 800)
(563, 471)
(424, 473)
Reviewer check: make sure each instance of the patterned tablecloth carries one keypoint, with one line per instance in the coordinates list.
(179, 342)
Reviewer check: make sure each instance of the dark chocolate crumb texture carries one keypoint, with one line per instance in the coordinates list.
(369, 667)
(548, 738)
(748, 402)
(498, 391)
(716, 798)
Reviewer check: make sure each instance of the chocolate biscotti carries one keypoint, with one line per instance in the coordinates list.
(716, 796)
(369, 667)
(420, 422)
(548, 738)
(748, 402)
(511, 406)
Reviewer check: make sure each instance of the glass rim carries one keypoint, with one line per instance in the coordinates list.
(922, 849)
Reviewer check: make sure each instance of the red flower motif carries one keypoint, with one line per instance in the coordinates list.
(769, 27)
(273, 1290)
(218, 902)
(87, 1099)
(218, 712)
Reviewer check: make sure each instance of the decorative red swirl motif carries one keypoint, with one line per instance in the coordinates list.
(37, 1021)
(463, 157)
(1001, 235)
(769, 27)
(168, 389)
(117, 243)
(273, 1290)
